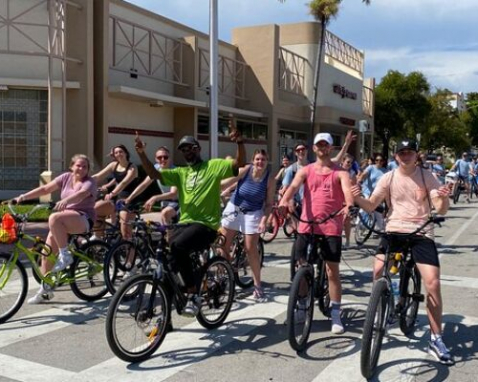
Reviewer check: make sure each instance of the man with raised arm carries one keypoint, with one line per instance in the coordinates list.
(411, 193)
(326, 190)
(199, 187)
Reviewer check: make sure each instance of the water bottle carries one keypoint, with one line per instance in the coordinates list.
(396, 288)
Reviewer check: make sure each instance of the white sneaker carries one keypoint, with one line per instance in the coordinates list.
(192, 307)
(62, 262)
(94, 237)
(43, 295)
(337, 326)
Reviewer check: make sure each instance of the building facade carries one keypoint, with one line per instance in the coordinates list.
(82, 76)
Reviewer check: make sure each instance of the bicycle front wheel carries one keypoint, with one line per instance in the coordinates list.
(14, 279)
(456, 193)
(217, 293)
(300, 309)
(410, 300)
(87, 274)
(272, 228)
(136, 327)
(363, 228)
(374, 327)
(289, 226)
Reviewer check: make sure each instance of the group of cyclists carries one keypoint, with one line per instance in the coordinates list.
(314, 190)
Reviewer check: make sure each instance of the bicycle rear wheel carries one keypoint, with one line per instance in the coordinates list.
(412, 292)
(322, 288)
(300, 309)
(457, 191)
(136, 327)
(272, 228)
(374, 327)
(115, 270)
(89, 282)
(15, 288)
(363, 227)
(217, 292)
(241, 266)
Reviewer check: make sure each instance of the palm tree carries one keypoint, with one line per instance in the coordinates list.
(322, 11)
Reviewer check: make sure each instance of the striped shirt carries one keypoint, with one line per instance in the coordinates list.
(251, 195)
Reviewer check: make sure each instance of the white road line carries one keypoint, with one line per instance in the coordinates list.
(448, 280)
(18, 369)
(400, 358)
(462, 229)
(44, 322)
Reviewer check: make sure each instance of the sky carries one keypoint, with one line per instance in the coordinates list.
(436, 37)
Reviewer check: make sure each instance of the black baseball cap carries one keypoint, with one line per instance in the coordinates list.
(187, 140)
(407, 144)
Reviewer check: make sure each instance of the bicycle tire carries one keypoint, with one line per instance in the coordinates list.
(13, 293)
(114, 268)
(292, 263)
(322, 288)
(242, 269)
(136, 327)
(288, 227)
(456, 193)
(272, 228)
(374, 327)
(217, 292)
(300, 307)
(363, 228)
(412, 283)
(88, 278)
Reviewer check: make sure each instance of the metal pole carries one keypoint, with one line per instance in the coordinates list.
(49, 81)
(213, 64)
(62, 17)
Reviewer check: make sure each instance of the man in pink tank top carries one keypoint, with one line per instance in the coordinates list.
(327, 189)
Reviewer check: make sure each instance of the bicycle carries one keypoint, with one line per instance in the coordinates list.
(362, 232)
(458, 188)
(309, 282)
(139, 250)
(140, 311)
(240, 261)
(84, 275)
(274, 222)
(383, 310)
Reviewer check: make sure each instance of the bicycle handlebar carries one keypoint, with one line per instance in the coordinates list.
(322, 221)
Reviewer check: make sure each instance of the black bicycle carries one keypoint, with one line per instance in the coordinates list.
(240, 261)
(309, 282)
(383, 311)
(458, 189)
(140, 311)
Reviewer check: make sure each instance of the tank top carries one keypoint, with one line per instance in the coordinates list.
(322, 195)
(119, 176)
(249, 194)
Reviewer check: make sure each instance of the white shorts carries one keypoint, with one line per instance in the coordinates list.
(247, 223)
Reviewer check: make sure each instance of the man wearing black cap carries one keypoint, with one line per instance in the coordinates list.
(411, 193)
(199, 189)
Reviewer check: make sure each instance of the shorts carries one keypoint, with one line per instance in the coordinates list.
(423, 249)
(331, 247)
(246, 222)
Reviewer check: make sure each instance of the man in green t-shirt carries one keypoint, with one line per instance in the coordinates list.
(199, 189)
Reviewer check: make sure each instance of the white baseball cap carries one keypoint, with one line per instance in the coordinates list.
(323, 137)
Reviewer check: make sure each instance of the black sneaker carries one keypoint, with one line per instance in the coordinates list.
(438, 349)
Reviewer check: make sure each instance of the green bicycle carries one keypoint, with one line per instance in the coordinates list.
(84, 275)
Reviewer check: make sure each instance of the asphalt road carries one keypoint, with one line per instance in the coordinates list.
(65, 338)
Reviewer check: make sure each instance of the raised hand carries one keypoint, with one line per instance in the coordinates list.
(139, 145)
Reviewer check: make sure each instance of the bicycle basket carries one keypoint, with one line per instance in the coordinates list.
(8, 230)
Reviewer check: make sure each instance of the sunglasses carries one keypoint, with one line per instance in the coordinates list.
(165, 157)
(300, 150)
(378, 160)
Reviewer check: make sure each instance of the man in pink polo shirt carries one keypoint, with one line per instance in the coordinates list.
(326, 189)
(411, 193)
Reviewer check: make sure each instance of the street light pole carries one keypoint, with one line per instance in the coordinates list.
(213, 64)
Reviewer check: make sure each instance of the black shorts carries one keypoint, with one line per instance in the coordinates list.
(331, 247)
(422, 249)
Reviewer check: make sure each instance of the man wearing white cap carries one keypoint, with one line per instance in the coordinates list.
(326, 190)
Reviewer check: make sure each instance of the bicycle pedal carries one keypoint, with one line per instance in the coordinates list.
(418, 297)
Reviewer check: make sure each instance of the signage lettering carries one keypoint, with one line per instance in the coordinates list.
(344, 92)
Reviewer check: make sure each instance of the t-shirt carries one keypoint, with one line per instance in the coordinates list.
(463, 167)
(373, 175)
(289, 177)
(199, 189)
(409, 207)
(165, 189)
(85, 206)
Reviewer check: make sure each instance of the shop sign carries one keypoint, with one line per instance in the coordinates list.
(347, 121)
(344, 92)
